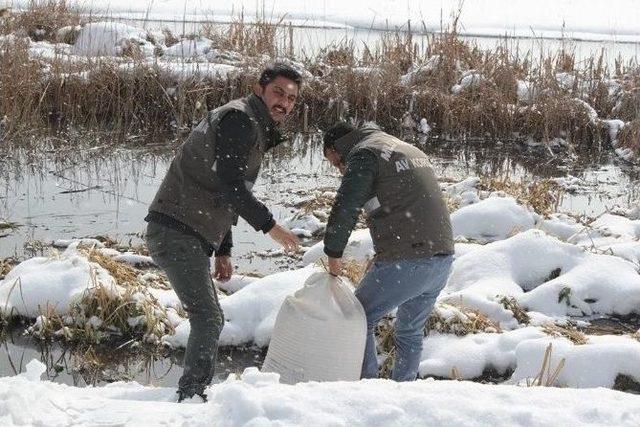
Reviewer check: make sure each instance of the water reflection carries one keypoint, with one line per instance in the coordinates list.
(88, 365)
(106, 192)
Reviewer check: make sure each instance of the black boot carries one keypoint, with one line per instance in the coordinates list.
(182, 395)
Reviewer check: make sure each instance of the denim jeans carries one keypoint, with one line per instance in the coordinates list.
(187, 266)
(411, 285)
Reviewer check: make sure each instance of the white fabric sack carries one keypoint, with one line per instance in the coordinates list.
(319, 334)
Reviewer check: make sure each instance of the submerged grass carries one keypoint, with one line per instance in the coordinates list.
(461, 91)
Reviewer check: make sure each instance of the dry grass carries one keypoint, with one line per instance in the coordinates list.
(140, 98)
(544, 196)
(42, 19)
(568, 332)
(355, 270)
(104, 312)
(519, 313)
(6, 265)
(460, 320)
(547, 375)
(629, 136)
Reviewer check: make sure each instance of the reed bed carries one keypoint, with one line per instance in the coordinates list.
(102, 313)
(461, 91)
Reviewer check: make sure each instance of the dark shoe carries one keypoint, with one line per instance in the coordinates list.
(184, 395)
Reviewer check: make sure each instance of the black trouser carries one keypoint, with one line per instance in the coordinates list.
(187, 266)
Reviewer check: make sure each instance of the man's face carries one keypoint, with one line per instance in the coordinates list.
(279, 96)
(334, 158)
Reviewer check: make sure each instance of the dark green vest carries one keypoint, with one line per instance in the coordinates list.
(407, 216)
(191, 192)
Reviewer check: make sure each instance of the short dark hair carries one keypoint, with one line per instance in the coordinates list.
(334, 133)
(279, 69)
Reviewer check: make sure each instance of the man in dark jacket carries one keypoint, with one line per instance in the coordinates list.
(410, 229)
(206, 188)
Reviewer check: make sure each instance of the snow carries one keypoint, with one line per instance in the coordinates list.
(491, 219)
(618, 225)
(189, 48)
(472, 354)
(526, 92)
(602, 284)
(38, 284)
(614, 126)
(523, 265)
(250, 313)
(561, 226)
(612, 355)
(359, 248)
(257, 399)
(184, 70)
(601, 20)
(304, 224)
(470, 79)
(107, 38)
(522, 351)
(235, 283)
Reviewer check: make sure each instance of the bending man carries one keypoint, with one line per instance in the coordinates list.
(410, 228)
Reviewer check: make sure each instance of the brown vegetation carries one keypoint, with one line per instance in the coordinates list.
(463, 92)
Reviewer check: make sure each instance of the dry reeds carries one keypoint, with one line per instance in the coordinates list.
(6, 265)
(459, 320)
(462, 91)
(104, 311)
(547, 377)
(519, 313)
(544, 196)
(567, 332)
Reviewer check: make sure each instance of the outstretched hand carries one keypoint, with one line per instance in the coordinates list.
(223, 268)
(286, 238)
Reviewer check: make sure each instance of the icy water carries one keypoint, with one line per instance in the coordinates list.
(309, 41)
(88, 192)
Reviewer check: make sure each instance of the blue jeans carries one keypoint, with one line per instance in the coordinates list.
(411, 285)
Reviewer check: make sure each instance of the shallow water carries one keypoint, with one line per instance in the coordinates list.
(309, 41)
(84, 192)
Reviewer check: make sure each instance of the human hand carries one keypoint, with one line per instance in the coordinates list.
(286, 238)
(335, 266)
(223, 268)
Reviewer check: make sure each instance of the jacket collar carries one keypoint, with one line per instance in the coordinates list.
(345, 144)
(268, 125)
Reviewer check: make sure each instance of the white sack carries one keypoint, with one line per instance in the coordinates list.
(319, 334)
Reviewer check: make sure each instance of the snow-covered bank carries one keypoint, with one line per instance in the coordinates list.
(517, 277)
(257, 399)
(601, 20)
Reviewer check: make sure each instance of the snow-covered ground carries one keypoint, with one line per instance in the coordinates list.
(258, 399)
(594, 20)
(555, 269)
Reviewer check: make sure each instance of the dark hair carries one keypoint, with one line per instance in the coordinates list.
(279, 69)
(334, 133)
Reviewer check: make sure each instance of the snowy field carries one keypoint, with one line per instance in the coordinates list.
(586, 20)
(510, 260)
(256, 399)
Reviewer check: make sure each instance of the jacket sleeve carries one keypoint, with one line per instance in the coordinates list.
(356, 188)
(235, 137)
(225, 245)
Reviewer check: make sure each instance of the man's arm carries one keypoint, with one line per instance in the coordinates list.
(356, 188)
(234, 140)
(225, 245)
